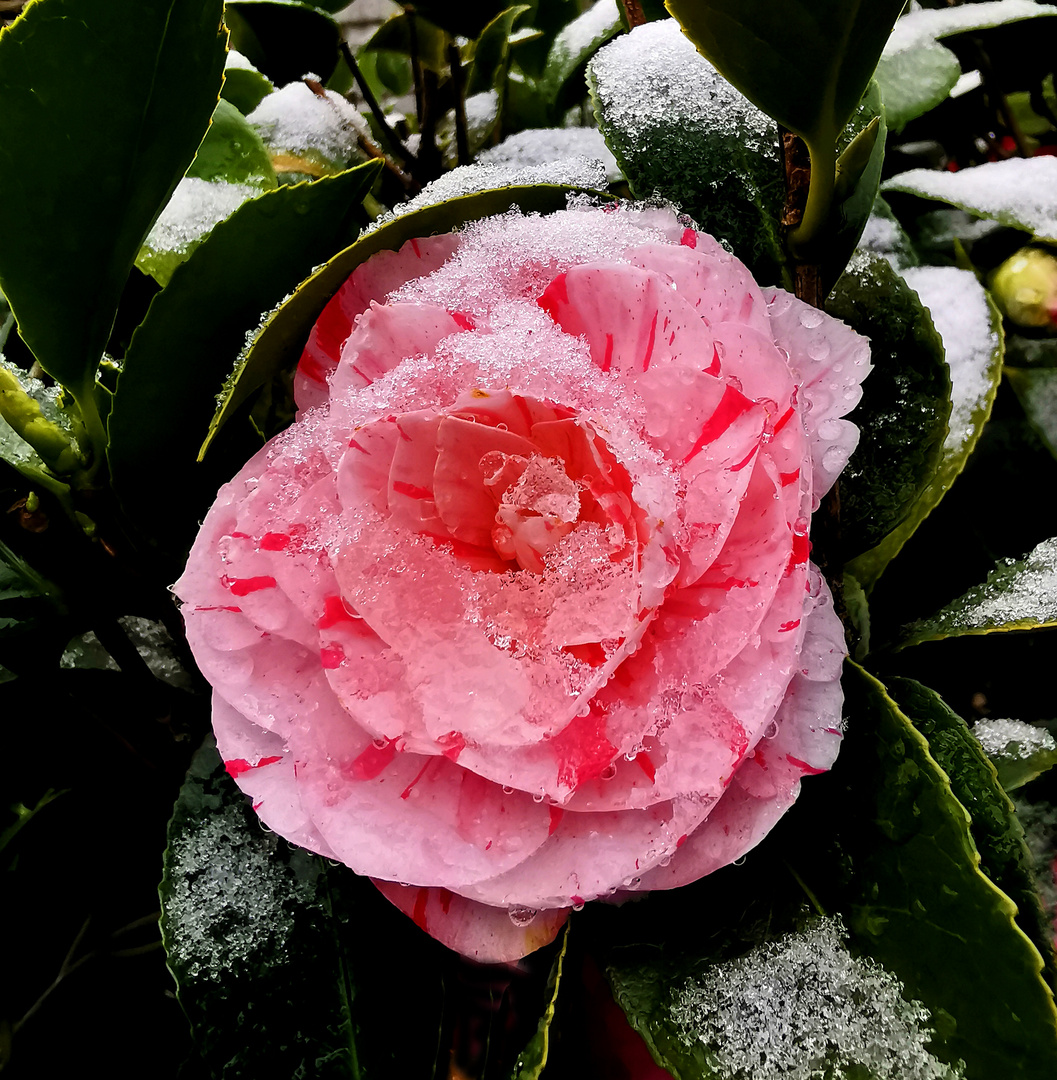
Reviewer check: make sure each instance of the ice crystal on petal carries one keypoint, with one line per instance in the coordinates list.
(803, 1008)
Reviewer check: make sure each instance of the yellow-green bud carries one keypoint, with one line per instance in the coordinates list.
(1025, 288)
(49, 440)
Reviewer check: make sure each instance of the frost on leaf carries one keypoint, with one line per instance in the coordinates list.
(1020, 751)
(802, 1007)
(1020, 192)
(680, 130)
(963, 318)
(1018, 595)
(230, 897)
(542, 146)
(1040, 832)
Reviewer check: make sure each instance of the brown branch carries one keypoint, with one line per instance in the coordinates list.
(633, 13)
(393, 142)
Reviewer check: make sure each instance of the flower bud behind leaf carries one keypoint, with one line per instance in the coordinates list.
(1025, 287)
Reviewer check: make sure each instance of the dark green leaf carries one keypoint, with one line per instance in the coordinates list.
(1018, 595)
(678, 129)
(916, 79)
(1022, 351)
(902, 418)
(884, 235)
(287, 965)
(182, 352)
(998, 834)
(277, 346)
(32, 615)
(955, 299)
(468, 18)
(1036, 389)
(920, 904)
(569, 53)
(431, 43)
(284, 39)
(116, 97)
(491, 52)
(804, 62)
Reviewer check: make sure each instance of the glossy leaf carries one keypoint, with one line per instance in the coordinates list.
(287, 965)
(922, 906)
(491, 52)
(970, 327)
(571, 50)
(430, 41)
(121, 92)
(929, 24)
(903, 419)
(806, 63)
(284, 39)
(182, 352)
(533, 1059)
(232, 154)
(915, 79)
(1019, 594)
(679, 129)
(1036, 390)
(1019, 751)
(245, 88)
(1018, 192)
(232, 151)
(996, 830)
(276, 348)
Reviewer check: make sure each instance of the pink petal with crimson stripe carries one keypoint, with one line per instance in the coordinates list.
(830, 360)
(383, 337)
(371, 280)
(486, 934)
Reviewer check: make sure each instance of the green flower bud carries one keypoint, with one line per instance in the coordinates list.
(1025, 288)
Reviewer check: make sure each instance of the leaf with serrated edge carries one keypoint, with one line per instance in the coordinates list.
(121, 93)
(181, 352)
(277, 345)
(923, 908)
(491, 52)
(1018, 595)
(903, 420)
(996, 830)
(971, 327)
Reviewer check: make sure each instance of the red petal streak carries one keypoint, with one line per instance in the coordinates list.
(418, 913)
(713, 368)
(786, 626)
(331, 656)
(245, 586)
(607, 359)
(588, 653)
(412, 491)
(237, 766)
(682, 840)
(274, 541)
(452, 745)
(557, 813)
(783, 420)
(650, 343)
(689, 238)
(445, 898)
(642, 759)
(556, 293)
(371, 761)
(731, 405)
(807, 770)
(582, 749)
(745, 461)
(406, 793)
(788, 478)
(217, 607)
(415, 249)
(463, 320)
(334, 612)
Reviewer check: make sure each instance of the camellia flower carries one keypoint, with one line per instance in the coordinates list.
(520, 612)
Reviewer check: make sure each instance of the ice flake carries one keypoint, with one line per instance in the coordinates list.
(921, 27)
(803, 1007)
(195, 207)
(962, 317)
(1020, 192)
(542, 146)
(1012, 738)
(230, 896)
(236, 61)
(294, 120)
(579, 35)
